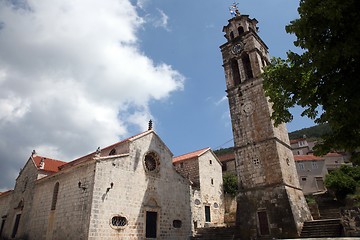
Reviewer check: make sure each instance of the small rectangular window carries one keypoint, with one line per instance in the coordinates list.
(212, 181)
(181, 165)
(301, 166)
(210, 162)
(314, 165)
(303, 179)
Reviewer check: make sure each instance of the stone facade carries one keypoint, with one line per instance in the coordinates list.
(129, 190)
(311, 171)
(203, 169)
(228, 162)
(270, 200)
(302, 146)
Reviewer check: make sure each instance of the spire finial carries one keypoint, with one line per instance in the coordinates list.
(234, 11)
(150, 125)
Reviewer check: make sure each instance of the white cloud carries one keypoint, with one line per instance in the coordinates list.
(70, 73)
(142, 4)
(162, 21)
(158, 19)
(223, 99)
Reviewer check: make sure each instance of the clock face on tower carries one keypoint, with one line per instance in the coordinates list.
(237, 48)
(248, 108)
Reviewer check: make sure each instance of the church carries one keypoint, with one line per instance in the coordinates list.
(129, 190)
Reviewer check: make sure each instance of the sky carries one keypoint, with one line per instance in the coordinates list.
(79, 74)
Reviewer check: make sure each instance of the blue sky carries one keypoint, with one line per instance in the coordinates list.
(75, 75)
(198, 116)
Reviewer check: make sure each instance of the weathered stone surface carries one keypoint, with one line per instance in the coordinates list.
(270, 201)
(350, 219)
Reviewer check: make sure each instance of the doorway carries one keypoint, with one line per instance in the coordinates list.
(263, 223)
(207, 214)
(151, 224)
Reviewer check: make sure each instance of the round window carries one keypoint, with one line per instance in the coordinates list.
(177, 223)
(197, 202)
(216, 205)
(151, 162)
(118, 221)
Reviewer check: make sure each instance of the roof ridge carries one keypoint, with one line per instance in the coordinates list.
(87, 156)
(203, 149)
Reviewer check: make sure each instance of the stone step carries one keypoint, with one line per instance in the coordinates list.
(322, 228)
(216, 233)
(329, 213)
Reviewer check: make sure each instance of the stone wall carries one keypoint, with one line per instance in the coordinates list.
(70, 218)
(350, 219)
(136, 191)
(211, 183)
(190, 170)
(5, 199)
(21, 203)
(230, 209)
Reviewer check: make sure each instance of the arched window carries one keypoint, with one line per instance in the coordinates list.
(247, 66)
(112, 152)
(231, 35)
(55, 196)
(235, 72)
(240, 30)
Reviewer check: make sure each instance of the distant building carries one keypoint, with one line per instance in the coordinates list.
(203, 169)
(311, 171)
(228, 162)
(335, 160)
(302, 146)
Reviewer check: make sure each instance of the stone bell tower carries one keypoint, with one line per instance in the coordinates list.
(270, 200)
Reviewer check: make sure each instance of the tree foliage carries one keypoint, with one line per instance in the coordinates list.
(325, 75)
(343, 181)
(230, 184)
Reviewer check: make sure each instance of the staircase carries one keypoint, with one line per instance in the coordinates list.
(322, 228)
(329, 209)
(216, 233)
(329, 224)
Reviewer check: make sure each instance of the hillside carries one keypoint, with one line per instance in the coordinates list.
(311, 132)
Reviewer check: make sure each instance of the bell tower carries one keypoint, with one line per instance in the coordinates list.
(270, 200)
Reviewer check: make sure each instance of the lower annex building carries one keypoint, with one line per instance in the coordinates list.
(129, 190)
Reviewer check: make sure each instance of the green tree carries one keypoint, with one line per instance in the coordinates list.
(324, 78)
(230, 184)
(343, 181)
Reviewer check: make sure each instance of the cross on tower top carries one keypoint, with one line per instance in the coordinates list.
(234, 10)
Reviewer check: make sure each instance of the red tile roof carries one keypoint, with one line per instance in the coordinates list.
(50, 165)
(226, 157)
(297, 140)
(307, 158)
(190, 155)
(6, 192)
